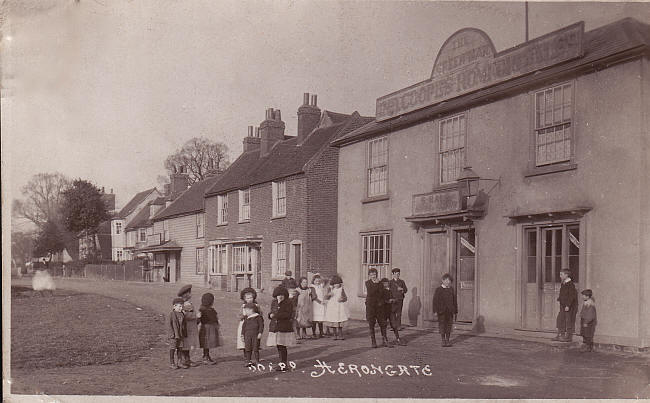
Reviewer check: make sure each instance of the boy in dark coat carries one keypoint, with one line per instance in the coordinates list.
(446, 307)
(398, 290)
(588, 321)
(568, 299)
(375, 307)
(177, 330)
(389, 315)
(252, 330)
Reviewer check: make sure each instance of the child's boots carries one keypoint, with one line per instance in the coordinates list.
(372, 338)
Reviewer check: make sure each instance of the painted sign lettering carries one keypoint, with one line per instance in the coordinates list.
(458, 77)
(436, 203)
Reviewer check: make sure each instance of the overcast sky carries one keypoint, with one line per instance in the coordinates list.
(106, 89)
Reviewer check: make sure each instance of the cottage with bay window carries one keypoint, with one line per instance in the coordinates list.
(502, 169)
(274, 209)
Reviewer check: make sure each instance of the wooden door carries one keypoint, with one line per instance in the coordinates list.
(437, 265)
(465, 266)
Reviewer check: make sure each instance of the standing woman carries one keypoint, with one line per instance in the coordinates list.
(304, 312)
(317, 305)
(280, 329)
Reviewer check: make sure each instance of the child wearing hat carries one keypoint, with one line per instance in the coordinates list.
(336, 310)
(191, 319)
(375, 307)
(588, 321)
(568, 299)
(209, 336)
(281, 333)
(177, 330)
(446, 307)
(398, 290)
(289, 282)
(247, 295)
(252, 330)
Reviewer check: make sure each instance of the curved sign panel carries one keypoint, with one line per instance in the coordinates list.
(466, 63)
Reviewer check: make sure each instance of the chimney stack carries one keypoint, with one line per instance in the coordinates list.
(308, 117)
(179, 181)
(271, 131)
(252, 141)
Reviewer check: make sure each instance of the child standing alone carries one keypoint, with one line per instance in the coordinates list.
(252, 330)
(209, 336)
(588, 321)
(177, 331)
(248, 295)
(446, 307)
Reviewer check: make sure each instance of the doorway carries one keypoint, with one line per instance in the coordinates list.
(547, 250)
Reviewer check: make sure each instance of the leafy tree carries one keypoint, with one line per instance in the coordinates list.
(42, 198)
(49, 241)
(83, 209)
(199, 156)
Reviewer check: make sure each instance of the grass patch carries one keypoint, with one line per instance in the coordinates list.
(73, 329)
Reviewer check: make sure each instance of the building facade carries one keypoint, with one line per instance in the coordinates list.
(121, 220)
(502, 169)
(274, 209)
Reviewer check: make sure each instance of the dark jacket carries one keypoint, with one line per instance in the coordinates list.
(568, 296)
(253, 325)
(177, 328)
(283, 313)
(444, 301)
(394, 284)
(208, 315)
(289, 283)
(588, 320)
(374, 295)
(387, 299)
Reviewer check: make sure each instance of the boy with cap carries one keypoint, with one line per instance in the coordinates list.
(252, 330)
(289, 282)
(375, 307)
(568, 299)
(446, 307)
(398, 290)
(192, 322)
(588, 321)
(177, 331)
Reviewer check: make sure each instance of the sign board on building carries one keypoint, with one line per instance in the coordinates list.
(467, 62)
(440, 202)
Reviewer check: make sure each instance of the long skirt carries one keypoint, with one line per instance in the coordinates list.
(287, 339)
(304, 313)
(209, 335)
(192, 339)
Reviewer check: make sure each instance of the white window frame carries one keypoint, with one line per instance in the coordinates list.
(241, 259)
(216, 266)
(553, 135)
(200, 260)
(373, 256)
(200, 228)
(377, 167)
(245, 205)
(279, 190)
(166, 230)
(222, 209)
(452, 135)
(278, 259)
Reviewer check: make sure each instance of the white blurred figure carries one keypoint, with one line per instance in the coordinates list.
(43, 282)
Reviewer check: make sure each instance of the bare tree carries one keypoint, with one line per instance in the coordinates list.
(43, 195)
(199, 156)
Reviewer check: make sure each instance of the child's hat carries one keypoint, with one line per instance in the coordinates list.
(184, 289)
(178, 300)
(336, 280)
(207, 299)
(279, 290)
(288, 273)
(250, 305)
(565, 270)
(248, 290)
(587, 292)
(395, 270)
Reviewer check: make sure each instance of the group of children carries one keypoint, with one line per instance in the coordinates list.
(297, 306)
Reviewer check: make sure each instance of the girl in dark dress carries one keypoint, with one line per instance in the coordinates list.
(281, 333)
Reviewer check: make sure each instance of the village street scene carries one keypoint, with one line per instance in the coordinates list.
(339, 199)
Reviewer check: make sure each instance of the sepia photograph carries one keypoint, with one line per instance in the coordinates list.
(319, 200)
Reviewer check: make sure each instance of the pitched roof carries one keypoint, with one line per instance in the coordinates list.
(141, 219)
(286, 158)
(612, 40)
(134, 202)
(189, 201)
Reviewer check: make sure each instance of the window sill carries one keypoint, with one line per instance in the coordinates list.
(375, 199)
(243, 221)
(218, 274)
(222, 224)
(549, 169)
(277, 217)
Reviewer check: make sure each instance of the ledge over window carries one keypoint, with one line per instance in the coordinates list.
(375, 198)
(549, 169)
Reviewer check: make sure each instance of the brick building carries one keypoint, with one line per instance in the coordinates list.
(502, 169)
(275, 207)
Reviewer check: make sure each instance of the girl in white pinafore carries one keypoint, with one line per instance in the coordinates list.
(336, 312)
(317, 305)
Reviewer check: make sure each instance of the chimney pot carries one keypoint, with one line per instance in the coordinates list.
(257, 131)
(305, 98)
(277, 116)
(314, 98)
(111, 190)
(250, 131)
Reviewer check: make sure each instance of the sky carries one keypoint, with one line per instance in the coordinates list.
(105, 90)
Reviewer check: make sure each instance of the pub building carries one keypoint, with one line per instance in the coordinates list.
(503, 168)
